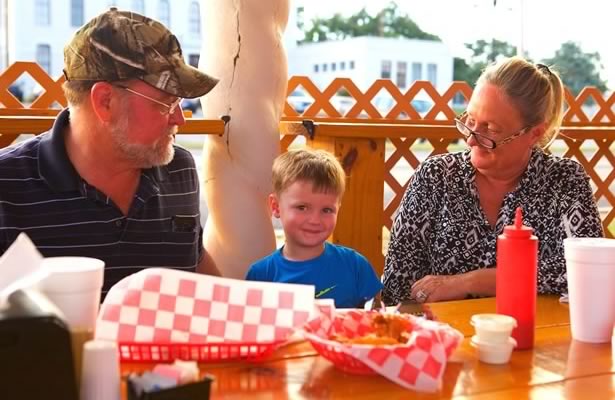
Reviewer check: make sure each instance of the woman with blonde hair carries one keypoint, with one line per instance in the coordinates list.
(444, 235)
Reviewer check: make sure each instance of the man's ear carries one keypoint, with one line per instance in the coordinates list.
(101, 95)
(274, 205)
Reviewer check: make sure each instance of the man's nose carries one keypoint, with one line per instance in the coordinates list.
(177, 116)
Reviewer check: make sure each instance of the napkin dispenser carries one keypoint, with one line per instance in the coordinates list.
(35, 350)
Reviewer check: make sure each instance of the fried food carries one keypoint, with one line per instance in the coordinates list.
(388, 329)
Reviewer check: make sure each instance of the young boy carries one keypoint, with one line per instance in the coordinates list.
(307, 189)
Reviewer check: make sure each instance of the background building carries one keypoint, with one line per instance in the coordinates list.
(37, 30)
(365, 59)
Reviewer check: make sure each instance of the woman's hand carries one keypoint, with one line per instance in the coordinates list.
(432, 288)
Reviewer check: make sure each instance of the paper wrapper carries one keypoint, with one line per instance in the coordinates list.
(417, 365)
(158, 305)
(21, 266)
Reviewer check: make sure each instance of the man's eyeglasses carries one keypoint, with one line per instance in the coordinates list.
(168, 108)
(482, 139)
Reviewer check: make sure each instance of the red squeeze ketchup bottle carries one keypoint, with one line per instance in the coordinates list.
(516, 276)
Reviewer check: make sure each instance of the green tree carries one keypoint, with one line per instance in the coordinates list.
(577, 68)
(482, 53)
(487, 52)
(389, 22)
(464, 72)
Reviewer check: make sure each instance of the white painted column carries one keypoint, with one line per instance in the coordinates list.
(243, 47)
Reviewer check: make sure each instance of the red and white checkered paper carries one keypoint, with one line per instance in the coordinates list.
(158, 305)
(417, 365)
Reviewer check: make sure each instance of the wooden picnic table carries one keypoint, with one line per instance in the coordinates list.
(557, 367)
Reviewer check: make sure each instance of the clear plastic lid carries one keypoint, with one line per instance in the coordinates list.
(493, 322)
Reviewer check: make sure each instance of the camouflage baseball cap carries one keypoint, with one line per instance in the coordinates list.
(120, 45)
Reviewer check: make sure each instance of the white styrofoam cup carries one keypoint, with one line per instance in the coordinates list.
(74, 284)
(590, 267)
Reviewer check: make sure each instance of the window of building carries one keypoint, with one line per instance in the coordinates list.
(385, 69)
(324, 68)
(194, 19)
(138, 6)
(351, 65)
(164, 12)
(417, 71)
(193, 59)
(42, 12)
(300, 15)
(402, 74)
(43, 57)
(343, 65)
(76, 12)
(315, 67)
(333, 66)
(432, 74)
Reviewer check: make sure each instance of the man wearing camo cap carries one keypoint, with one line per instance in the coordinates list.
(108, 181)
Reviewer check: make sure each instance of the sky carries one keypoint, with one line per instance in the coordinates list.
(545, 24)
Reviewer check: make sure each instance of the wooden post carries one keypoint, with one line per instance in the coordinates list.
(359, 223)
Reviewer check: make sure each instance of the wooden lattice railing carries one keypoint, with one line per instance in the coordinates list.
(379, 149)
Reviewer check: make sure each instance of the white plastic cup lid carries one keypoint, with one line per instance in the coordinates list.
(597, 250)
(493, 322)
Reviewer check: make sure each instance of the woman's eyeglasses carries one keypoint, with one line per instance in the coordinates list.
(482, 139)
(168, 108)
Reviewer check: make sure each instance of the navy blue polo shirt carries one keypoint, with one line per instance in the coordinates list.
(42, 194)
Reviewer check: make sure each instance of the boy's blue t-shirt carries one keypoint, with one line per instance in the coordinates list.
(339, 273)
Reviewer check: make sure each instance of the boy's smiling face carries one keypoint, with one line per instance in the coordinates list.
(308, 218)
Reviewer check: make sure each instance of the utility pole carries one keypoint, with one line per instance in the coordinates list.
(520, 41)
(4, 32)
(521, 50)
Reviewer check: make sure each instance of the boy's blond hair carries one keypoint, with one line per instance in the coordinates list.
(319, 167)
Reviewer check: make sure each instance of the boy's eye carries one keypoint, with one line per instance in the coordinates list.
(301, 208)
(328, 210)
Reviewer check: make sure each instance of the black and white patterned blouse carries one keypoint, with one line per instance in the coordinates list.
(440, 228)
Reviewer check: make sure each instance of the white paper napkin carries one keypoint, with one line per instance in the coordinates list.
(20, 267)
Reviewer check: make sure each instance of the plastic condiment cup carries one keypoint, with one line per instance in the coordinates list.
(101, 371)
(493, 328)
(493, 353)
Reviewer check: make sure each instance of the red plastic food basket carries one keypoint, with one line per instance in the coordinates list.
(201, 352)
(341, 360)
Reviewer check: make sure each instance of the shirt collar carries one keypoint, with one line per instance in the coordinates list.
(54, 166)
(56, 169)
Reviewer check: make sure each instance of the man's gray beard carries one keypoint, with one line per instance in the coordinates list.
(143, 156)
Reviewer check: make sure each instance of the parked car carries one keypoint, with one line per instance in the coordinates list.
(193, 105)
(385, 104)
(16, 91)
(299, 100)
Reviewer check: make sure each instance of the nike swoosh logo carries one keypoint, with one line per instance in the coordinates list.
(325, 291)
